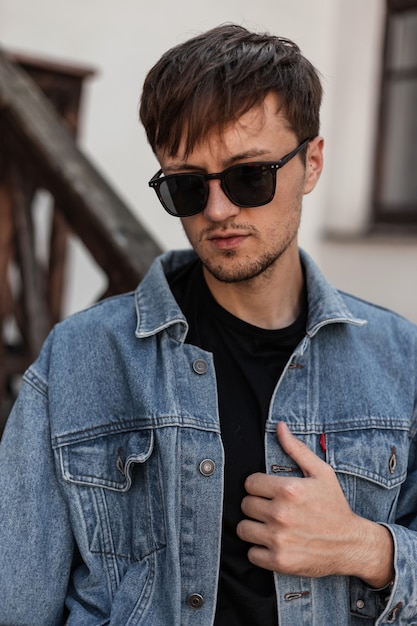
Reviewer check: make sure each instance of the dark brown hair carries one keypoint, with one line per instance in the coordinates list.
(214, 78)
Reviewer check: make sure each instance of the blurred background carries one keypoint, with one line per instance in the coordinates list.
(360, 224)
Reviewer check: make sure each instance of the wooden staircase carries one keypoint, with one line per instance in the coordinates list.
(39, 160)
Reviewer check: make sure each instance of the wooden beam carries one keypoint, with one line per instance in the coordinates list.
(115, 238)
(6, 252)
(58, 241)
(6, 248)
(36, 313)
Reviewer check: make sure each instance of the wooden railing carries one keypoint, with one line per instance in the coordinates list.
(39, 109)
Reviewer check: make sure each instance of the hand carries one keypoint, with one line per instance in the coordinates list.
(305, 526)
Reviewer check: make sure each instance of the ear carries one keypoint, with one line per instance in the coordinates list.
(314, 163)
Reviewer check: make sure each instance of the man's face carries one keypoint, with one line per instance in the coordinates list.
(238, 244)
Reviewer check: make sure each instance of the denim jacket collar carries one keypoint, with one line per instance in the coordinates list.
(158, 310)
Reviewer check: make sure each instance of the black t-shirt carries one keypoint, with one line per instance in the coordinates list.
(248, 361)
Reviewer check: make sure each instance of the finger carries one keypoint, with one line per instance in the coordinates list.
(253, 532)
(256, 507)
(309, 463)
(263, 557)
(262, 485)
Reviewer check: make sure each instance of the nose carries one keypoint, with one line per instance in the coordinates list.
(219, 207)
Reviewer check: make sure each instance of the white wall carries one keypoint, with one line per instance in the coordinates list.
(378, 268)
(122, 39)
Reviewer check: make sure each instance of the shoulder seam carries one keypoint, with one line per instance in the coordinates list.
(36, 382)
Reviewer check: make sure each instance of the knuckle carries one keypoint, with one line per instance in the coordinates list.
(279, 561)
(291, 491)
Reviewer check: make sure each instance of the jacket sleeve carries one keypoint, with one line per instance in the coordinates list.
(36, 543)
(401, 609)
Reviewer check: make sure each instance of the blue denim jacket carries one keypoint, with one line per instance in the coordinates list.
(106, 505)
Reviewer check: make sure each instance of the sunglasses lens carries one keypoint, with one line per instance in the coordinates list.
(184, 195)
(247, 185)
(250, 185)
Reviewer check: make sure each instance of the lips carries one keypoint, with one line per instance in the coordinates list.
(226, 241)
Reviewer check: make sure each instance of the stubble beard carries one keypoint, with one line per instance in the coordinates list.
(228, 268)
(246, 269)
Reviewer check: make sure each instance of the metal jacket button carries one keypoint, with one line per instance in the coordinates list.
(207, 467)
(200, 366)
(195, 601)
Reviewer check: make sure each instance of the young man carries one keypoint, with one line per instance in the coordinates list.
(235, 442)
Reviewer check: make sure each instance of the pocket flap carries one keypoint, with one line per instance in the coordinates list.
(378, 455)
(106, 461)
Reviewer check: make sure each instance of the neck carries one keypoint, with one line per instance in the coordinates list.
(271, 300)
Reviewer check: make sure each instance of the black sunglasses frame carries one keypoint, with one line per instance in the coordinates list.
(274, 166)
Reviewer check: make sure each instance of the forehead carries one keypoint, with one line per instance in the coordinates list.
(259, 129)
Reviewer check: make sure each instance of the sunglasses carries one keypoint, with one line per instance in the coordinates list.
(247, 185)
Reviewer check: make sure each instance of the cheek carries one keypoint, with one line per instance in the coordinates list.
(286, 209)
(291, 186)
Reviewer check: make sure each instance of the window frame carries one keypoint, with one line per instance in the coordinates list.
(381, 213)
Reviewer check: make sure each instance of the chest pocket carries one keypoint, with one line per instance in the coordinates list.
(370, 455)
(113, 482)
(106, 461)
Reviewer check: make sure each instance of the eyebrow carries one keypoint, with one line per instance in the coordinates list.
(236, 158)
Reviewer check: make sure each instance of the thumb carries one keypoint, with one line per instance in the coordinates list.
(309, 463)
